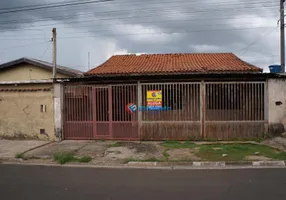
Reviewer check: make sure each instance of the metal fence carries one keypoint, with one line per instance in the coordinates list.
(234, 110)
(193, 110)
(180, 117)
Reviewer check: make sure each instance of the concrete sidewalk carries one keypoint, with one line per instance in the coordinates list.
(122, 152)
(9, 149)
(100, 152)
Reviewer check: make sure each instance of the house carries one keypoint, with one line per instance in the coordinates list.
(27, 98)
(200, 96)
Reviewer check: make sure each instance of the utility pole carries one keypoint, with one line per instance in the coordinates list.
(88, 60)
(54, 53)
(282, 36)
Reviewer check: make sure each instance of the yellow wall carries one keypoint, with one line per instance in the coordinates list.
(27, 72)
(21, 116)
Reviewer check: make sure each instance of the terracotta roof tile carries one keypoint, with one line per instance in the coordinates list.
(173, 63)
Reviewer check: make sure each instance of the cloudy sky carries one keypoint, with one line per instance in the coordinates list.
(247, 28)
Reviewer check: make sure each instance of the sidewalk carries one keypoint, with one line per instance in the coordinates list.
(9, 149)
(146, 154)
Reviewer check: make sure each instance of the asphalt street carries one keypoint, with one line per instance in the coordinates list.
(66, 183)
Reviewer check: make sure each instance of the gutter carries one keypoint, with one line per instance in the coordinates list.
(25, 82)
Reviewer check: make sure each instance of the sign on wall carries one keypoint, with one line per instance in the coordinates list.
(154, 99)
(131, 108)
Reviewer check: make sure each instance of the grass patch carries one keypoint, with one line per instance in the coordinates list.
(85, 159)
(237, 152)
(63, 158)
(176, 144)
(280, 156)
(116, 144)
(20, 156)
(166, 154)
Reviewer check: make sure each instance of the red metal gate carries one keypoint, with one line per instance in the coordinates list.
(100, 112)
(195, 110)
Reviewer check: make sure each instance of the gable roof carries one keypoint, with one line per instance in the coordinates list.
(42, 64)
(173, 63)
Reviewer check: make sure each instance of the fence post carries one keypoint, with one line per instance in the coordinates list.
(110, 111)
(139, 104)
(93, 102)
(266, 116)
(203, 108)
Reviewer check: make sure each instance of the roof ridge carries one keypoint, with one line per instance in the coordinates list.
(173, 63)
(199, 53)
(43, 64)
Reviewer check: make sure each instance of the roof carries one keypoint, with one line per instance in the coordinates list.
(42, 64)
(173, 63)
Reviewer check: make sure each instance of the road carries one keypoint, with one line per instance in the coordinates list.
(66, 183)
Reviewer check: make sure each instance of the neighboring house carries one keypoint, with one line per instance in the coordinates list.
(170, 97)
(27, 98)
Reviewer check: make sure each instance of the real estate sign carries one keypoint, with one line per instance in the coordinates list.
(154, 99)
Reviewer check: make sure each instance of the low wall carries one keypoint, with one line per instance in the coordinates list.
(23, 116)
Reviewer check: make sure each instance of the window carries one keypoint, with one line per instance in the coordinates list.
(43, 108)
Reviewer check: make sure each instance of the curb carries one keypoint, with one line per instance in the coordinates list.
(269, 163)
(211, 164)
(158, 165)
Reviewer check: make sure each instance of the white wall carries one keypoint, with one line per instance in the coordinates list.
(277, 113)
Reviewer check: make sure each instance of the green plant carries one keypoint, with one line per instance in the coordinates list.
(259, 140)
(63, 158)
(267, 136)
(117, 144)
(85, 159)
(166, 154)
(67, 157)
(20, 156)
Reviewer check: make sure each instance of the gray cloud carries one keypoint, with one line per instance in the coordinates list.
(150, 26)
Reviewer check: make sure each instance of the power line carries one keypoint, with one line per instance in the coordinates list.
(71, 22)
(152, 33)
(193, 31)
(45, 51)
(91, 19)
(141, 9)
(69, 3)
(36, 5)
(120, 24)
(53, 6)
(146, 11)
(255, 41)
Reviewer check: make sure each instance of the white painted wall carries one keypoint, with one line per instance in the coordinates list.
(58, 111)
(277, 93)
